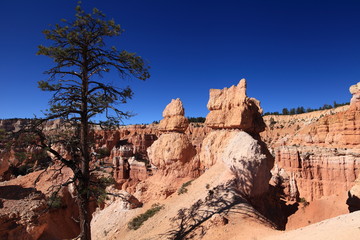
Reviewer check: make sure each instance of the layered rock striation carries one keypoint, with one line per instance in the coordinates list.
(320, 157)
(231, 108)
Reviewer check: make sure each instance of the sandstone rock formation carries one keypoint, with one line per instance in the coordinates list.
(234, 114)
(172, 157)
(355, 100)
(243, 155)
(20, 211)
(174, 119)
(231, 108)
(126, 147)
(318, 151)
(173, 149)
(25, 212)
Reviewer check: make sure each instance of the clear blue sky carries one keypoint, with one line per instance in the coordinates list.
(292, 53)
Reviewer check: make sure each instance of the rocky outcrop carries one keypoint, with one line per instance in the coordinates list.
(140, 137)
(250, 164)
(318, 152)
(125, 152)
(243, 155)
(29, 212)
(231, 108)
(20, 211)
(174, 120)
(317, 171)
(172, 157)
(173, 151)
(355, 100)
(240, 152)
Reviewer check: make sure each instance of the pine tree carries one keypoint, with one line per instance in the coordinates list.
(80, 92)
(285, 111)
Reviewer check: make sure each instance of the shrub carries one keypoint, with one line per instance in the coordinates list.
(136, 222)
(102, 153)
(55, 201)
(183, 188)
(304, 202)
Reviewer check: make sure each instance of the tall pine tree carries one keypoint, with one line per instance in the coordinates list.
(80, 92)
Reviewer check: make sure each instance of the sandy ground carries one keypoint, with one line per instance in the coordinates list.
(242, 221)
(343, 227)
(318, 210)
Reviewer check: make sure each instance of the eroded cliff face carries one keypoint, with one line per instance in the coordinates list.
(26, 211)
(316, 154)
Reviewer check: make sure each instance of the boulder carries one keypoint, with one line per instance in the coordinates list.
(231, 108)
(174, 120)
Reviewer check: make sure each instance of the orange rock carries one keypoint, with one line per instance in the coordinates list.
(355, 100)
(170, 150)
(318, 151)
(174, 119)
(231, 108)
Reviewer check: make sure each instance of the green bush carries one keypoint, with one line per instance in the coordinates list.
(304, 202)
(136, 222)
(102, 153)
(55, 201)
(183, 188)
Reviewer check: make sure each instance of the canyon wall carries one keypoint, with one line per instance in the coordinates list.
(316, 154)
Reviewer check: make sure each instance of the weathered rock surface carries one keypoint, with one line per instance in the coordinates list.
(318, 151)
(25, 214)
(231, 108)
(243, 155)
(170, 150)
(355, 100)
(317, 171)
(174, 120)
(127, 152)
(353, 200)
(173, 151)
(20, 211)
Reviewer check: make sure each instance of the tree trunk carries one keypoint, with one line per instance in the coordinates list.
(84, 216)
(84, 181)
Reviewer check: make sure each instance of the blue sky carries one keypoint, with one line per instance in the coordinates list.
(292, 53)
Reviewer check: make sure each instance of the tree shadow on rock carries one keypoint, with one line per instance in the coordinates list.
(16, 192)
(222, 199)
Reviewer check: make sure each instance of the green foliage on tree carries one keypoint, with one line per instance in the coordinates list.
(301, 109)
(285, 111)
(197, 119)
(80, 91)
